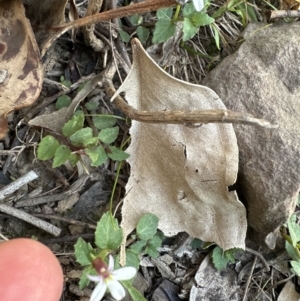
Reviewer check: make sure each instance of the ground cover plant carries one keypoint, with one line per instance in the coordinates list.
(120, 109)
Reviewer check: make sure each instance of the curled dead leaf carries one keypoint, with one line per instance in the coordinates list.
(180, 173)
(20, 61)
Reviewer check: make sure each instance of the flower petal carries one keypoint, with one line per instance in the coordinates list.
(98, 291)
(116, 289)
(124, 273)
(95, 278)
(111, 263)
(198, 4)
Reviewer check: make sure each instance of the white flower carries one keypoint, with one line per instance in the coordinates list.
(108, 279)
(198, 4)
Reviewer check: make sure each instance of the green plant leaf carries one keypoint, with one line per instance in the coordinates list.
(202, 19)
(62, 101)
(133, 292)
(97, 155)
(80, 136)
(147, 226)
(294, 229)
(47, 148)
(291, 251)
(109, 135)
(125, 37)
(189, 29)
(143, 34)
(219, 260)
(152, 251)
(84, 280)
(91, 142)
(216, 35)
(164, 29)
(73, 125)
(136, 19)
(83, 252)
(91, 105)
(132, 259)
(103, 122)
(188, 10)
(138, 246)
(156, 241)
(73, 159)
(164, 13)
(196, 243)
(296, 267)
(117, 154)
(108, 234)
(62, 154)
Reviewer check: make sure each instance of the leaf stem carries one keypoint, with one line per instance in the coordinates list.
(175, 17)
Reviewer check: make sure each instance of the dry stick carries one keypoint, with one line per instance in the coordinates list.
(275, 14)
(12, 187)
(137, 8)
(249, 278)
(15, 185)
(257, 254)
(30, 219)
(182, 117)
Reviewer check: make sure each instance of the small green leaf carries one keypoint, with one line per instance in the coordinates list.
(84, 280)
(296, 267)
(73, 125)
(82, 135)
(294, 230)
(91, 105)
(73, 159)
(202, 19)
(125, 37)
(103, 122)
(216, 35)
(219, 260)
(164, 29)
(196, 243)
(143, 34)
(138, 246)
(189, 29)
(164, 13)
(62, 101)
(91, 142)
(47, 148)
(108, 234)
(133, 292)
(132, 259)
(109, 135)
(83, 252)
(291, 251)
(117, 154)
(62, 154)
(188, 10)
(136, 19)
(152, 251)
(155, 241)
(147, 226)
(97, 155)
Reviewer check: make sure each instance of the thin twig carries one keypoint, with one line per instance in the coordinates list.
(30, 219)
(275, 14)
(182, 117)
(249, 278)
(15, 185)
(264, 262)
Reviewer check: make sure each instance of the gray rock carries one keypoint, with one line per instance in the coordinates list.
(263, 78)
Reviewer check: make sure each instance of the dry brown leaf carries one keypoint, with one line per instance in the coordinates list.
(45, 15)
(181, 173)
(20, 60)
(56, 120)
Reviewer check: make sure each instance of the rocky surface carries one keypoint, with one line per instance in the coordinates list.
(263, 78)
